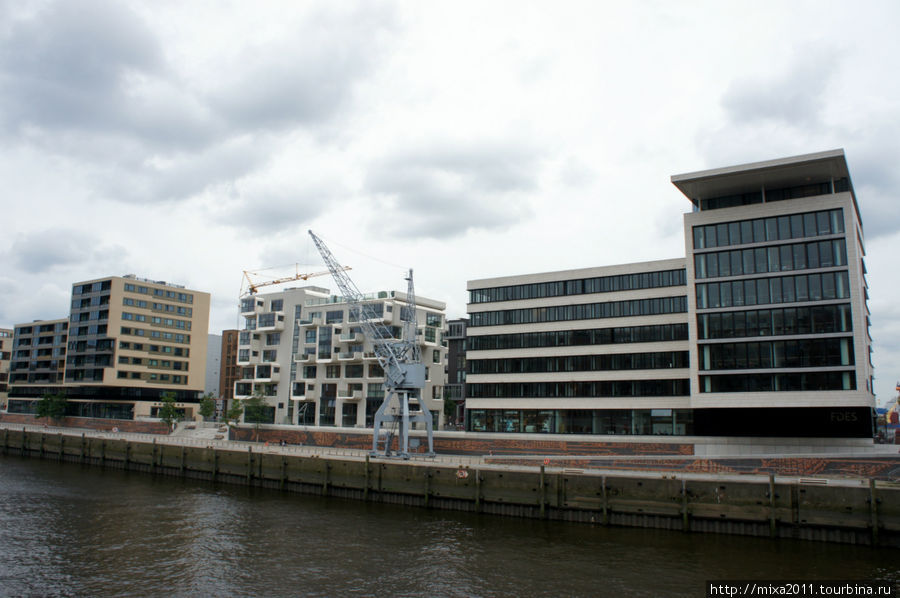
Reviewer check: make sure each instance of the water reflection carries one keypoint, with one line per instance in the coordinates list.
(76, 531)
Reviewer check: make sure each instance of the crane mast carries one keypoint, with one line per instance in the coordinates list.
(404, 372)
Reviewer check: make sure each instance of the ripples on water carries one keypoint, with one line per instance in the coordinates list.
(67, 530)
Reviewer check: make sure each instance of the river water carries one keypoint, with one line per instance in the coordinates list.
(71, 530)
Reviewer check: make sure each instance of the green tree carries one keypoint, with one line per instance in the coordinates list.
(255, 410)
(207, 406)
(234, 413)
(52, 406)
(168, 412)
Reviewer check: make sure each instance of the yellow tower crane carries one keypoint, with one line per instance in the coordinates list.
(253, 286)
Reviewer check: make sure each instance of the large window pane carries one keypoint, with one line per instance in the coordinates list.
(747, 231)
(784, 227)
(796, 226)
(750, 292)
(809, 225)
(787, 257)
(759, 256)
(748, 266)
(774, 259)
(771, 229)
(759, 230)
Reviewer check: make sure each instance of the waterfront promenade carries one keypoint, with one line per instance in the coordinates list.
(881, 462)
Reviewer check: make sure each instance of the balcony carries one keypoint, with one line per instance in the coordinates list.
(305, 358)
(270, 322)
(300, 391)
(351, 356)
(251, 358)
(351, 337)
(307, 394)
(250, 306)
(307, 322)
(267, 373)
(248, 339)
(351, 395)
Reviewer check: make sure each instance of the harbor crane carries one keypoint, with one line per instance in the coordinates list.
(401, 360)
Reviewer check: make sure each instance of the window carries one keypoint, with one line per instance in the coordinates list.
(333, 371)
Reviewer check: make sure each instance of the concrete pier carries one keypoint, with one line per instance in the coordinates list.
(849, 510)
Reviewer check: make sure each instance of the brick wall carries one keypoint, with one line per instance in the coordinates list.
(882, 468)
(106, 425)
(468, 446)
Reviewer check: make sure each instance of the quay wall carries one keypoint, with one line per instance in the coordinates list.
(867, 513)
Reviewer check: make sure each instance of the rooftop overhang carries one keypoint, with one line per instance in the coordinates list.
(771, 174)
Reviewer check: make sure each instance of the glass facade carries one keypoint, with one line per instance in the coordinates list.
(821, 319)
(677, 387)
(569, 338)
(580, 286)
(804, 381)
(584, 311)
(802, 353)
(582, 421)
(580, 363)
(773, 258)
(776, 228)
(823, 286)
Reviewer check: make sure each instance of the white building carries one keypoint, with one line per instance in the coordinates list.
(763, 330)
(303, 352)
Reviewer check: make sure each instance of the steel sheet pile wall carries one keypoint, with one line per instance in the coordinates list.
(867, 514)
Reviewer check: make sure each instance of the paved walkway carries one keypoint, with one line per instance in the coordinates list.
(206, 436)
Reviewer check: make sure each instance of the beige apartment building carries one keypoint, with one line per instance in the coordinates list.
(128, 340)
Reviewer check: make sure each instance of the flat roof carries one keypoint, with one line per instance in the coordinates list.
(781, 172)
(562, 275)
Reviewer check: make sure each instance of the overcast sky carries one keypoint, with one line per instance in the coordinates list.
(188, 141)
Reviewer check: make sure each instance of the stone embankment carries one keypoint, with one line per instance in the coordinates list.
(840, 509)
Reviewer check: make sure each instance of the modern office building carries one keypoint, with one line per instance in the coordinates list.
(303, 350)
(763, 330)
(126, 341)
(455, 368)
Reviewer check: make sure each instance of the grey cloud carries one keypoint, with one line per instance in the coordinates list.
(89, 81)
(873, 166)
(792, 96)
(185, 174)
(66, 66)
(40, 251)
(267, 212)
(308, 79)
(444, 192)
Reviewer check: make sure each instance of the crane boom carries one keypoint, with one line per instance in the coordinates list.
(404, 373)
(254, 286)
